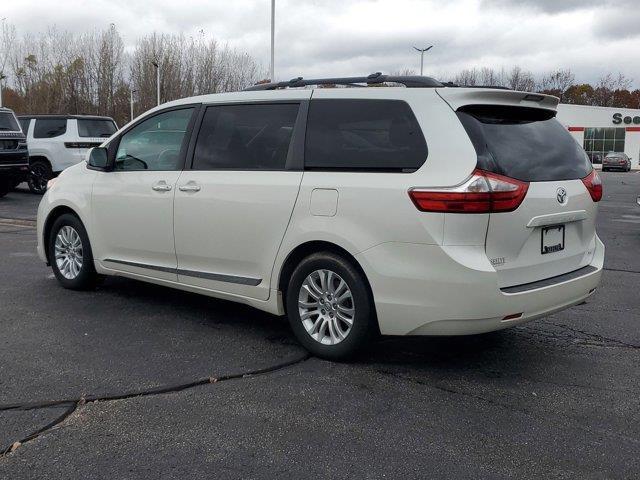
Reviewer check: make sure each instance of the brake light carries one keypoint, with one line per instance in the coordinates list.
(594, 185)
(483, 192)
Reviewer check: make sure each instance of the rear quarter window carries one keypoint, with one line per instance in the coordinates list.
(363, 135)
(96, 127)
(527, 144)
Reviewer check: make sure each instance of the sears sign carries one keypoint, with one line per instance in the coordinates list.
(618, 119)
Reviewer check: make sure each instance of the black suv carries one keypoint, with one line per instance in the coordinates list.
(14, 156)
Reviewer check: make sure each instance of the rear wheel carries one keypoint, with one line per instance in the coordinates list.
(40, 174)
(70, 254)
(329, 306)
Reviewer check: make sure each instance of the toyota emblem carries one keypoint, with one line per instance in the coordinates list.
(561, 195)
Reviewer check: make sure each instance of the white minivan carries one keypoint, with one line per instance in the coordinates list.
(413, 208)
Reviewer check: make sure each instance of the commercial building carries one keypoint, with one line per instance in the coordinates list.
(602, 130)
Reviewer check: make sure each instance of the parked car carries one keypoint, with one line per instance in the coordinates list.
(616, 161)
(14, 156)
(59, 141)
(426, 210)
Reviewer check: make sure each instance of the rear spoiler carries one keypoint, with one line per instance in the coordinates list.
(460, 97)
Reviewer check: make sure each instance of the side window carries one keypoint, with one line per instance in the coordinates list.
(50, 127)
(155, 143)
(369, 135)
(245, 137)
(24, 124)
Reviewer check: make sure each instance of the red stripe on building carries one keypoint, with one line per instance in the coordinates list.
(576, 129)
(633, 129)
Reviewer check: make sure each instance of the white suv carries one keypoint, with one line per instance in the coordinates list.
(59, 141)
(426, 210)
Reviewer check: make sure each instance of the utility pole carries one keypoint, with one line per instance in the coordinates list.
(157, 65)
(273, 37)
(131, 102)
(422, 50)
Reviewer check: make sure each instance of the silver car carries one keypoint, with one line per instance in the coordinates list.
(616, 161)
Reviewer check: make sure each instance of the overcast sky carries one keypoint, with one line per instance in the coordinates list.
(347, 37)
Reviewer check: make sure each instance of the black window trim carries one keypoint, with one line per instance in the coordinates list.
(347, 169)
(112, 146)
(295, 155)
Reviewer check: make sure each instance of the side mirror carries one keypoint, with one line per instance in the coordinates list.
(98, 159)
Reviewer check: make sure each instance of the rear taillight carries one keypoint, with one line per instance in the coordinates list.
(483, 192)
(594, 185)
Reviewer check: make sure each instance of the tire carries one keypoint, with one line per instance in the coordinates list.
(39, 176)
(73, 238)
(5, 187)
(329, 335)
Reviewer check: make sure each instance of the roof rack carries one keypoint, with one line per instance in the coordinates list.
(409, 81)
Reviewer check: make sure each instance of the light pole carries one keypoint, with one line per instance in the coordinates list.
(422, 50)
(131, 102)
(2, 77)
(157, 65)
(273, 37)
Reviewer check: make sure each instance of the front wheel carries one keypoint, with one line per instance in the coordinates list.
(329, 306)
(40, 174)
(70, 254)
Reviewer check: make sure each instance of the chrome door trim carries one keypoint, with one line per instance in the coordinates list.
(219, 277)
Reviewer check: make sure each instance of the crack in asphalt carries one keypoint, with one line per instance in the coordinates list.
(73, 404)
(620, 270)
(506, 406)
(588, 339)
(595, 336)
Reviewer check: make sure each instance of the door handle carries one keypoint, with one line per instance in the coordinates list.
(161, 187)
(189, 187)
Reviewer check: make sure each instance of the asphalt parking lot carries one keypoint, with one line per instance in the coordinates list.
(140, 381)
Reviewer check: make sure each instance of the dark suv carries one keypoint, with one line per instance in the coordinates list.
(14, 156)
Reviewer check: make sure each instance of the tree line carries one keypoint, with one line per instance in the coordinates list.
(609, 91)
(92, 73)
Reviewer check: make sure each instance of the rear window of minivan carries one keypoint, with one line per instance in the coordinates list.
(527, 144)
(363, 135)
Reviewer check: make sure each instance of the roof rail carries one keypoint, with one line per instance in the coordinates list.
(409, 81)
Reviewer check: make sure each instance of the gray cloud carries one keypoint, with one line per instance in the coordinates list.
(557, 6)
(618, 24)
(342, 37)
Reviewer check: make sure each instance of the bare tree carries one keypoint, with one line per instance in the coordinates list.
(467, 77)
(521, 80)
(63, 72)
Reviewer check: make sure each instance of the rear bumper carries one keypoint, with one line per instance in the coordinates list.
(440, 290)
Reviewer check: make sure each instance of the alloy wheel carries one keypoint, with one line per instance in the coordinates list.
(68, 252)
(326, 307)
